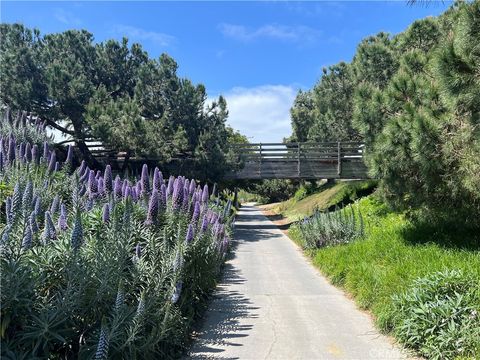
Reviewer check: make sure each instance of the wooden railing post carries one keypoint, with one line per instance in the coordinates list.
(339, 158)
(260, 162)
(298, 160)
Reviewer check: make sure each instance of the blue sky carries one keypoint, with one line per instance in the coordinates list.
(257, 54)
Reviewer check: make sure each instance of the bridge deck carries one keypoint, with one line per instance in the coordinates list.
(334, 160)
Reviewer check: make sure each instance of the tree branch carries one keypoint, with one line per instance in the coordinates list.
(58, 127)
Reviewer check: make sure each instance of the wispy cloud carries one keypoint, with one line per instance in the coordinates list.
(66, 17)
(302, 34)
(138, 34)
(261, 113)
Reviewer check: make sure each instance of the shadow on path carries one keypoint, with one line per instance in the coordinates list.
(222, 326)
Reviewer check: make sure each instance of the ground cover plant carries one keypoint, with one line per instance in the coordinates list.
(96, 266)
(420, 280)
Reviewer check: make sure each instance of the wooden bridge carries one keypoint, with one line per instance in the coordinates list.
(307, 160)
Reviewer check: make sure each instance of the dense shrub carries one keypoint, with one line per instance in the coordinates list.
(439, 315)
(93, 266)
(332, 228)
(273, 190)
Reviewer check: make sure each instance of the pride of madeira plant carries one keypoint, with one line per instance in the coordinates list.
(99, 267)
(332, 228)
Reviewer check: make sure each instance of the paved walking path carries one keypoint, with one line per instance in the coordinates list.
(272, 304)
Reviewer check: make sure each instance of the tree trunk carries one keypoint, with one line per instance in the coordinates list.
(82, 147)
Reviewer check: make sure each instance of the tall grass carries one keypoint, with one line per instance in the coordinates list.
(97, 267)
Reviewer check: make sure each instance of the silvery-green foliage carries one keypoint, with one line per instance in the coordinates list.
(332, 228)
(439, 315)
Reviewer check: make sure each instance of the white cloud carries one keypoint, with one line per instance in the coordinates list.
(137, 34)
(261, 113)
(303, 34)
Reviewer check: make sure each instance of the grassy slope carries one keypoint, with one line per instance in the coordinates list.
(328, 196)
(393, 254)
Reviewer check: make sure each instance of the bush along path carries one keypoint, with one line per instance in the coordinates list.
(99, 267)
(272, 304)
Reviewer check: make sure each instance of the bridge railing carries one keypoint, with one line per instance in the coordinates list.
(299, 160)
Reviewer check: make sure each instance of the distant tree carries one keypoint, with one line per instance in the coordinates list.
(302, 115)
(325, 112)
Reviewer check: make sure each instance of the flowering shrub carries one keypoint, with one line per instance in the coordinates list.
(94, 266)
(331, 228)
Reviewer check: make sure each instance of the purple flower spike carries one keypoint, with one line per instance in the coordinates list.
(35, 153)
(46, 151)
(27, 239)
(49, 232)
(196, 212)
(190, 234)
(153, 207)
(177, 193)
(76, 239)
(11, 149)
(106, 213)
(145, 180)
(185, 198)
(21, 150)
(138, 251)
(69, 159)
(38, 205)
(33, 223)
(117, 187)
(134, 194)
(62, 219)
(28, 152)
(191, 189)
(157, 179)
(1, 159)
(204, 226)
(52, 162)
(55, 203)
(163, 195)
(92, 185)
(108, 179)
(205, 194)
(128, 193)
(124, 186)
(171, 180)
(57, 166)
(101, 186)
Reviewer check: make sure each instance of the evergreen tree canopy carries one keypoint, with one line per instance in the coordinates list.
(414, 99)
(113, 92)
